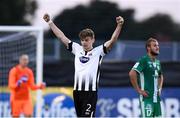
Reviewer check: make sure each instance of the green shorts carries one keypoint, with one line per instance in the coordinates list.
(150, 109)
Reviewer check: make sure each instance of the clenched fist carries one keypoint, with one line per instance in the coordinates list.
(119, 20)
(46, 17)
(42, 85)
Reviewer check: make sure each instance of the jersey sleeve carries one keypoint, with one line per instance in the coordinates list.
(102, 50)
(32, 84)
(73, 47)
(12, 79)
(160, 70)
(139, 66)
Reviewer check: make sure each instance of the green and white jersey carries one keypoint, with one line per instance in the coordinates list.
(149, 73)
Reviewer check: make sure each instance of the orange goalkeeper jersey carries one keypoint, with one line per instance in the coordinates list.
(21, 92)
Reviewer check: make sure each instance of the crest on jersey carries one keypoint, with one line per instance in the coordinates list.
(84, 59)
(90, 54)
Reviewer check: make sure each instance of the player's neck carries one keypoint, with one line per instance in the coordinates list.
(152, 57)
(87, 50)
(21, 66)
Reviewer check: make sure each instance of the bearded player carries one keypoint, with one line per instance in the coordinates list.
(147, 79)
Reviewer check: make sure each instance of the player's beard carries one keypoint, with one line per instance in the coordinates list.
(154, 53)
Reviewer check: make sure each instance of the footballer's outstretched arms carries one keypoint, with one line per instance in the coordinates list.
(133, 79)
(59, 34)
(114, 37)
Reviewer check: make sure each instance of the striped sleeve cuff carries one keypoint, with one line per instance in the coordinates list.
(70, 46)
(136, 70)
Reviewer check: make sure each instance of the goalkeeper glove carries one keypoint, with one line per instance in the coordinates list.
(19, 82)
(42, 85)
(24, 78)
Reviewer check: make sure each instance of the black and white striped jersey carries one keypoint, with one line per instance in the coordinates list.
(87, 65)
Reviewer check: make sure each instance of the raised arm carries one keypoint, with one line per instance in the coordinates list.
(115, 34)
(59, 34)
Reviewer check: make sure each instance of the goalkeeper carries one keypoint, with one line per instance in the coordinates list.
(21, 78)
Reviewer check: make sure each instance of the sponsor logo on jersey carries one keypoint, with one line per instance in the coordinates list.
(150, 64)
(84, 59)
(90, 54)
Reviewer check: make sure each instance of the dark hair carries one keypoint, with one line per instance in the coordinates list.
(148, 42)
(85, 33)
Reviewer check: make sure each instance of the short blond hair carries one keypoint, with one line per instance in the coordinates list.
(148, 42)
(86, 33)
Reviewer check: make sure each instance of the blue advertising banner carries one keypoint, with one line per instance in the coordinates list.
(58, 105)
(112, 102)
(124, 102)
